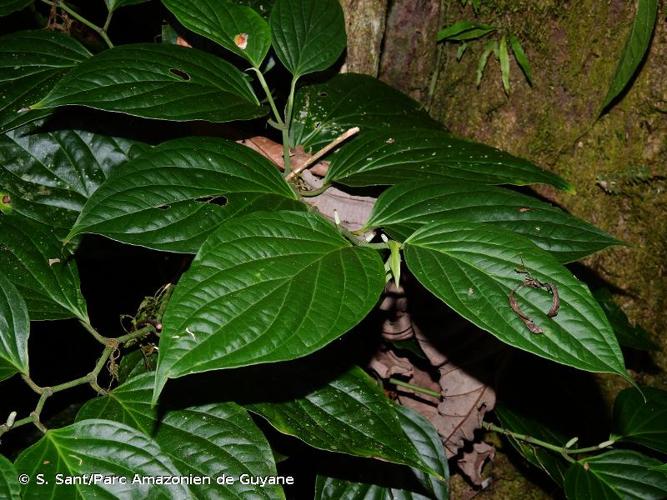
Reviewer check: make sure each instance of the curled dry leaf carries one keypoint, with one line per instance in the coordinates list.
(472, 461)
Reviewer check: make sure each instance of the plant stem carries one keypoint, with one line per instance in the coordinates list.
(288, 123)
(99, 337)
(100, 31)
(314, 192)
(415, 388)
(272, 103)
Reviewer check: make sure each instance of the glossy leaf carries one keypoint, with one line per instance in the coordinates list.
(14, 330)
(9, 486)
(322, 112)
(32, 257)
(31, 62)
(262, 7)
(521, 58)
(117, 4)
(349, 415)
(9, 6)
(642, 421)
(160, 81)
(634, 337)
(551, 463)
(237, 28)
(464, 30)
(636, 46)
(406, 207)
(97, 447)
(474, 268)
(307, 35)
(204, 441)
(391, 156)
(619, 474)
(263, 288)
(369, 484)
(163, 198)
(50, 175)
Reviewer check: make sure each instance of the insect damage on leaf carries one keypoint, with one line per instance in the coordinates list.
(241, 40)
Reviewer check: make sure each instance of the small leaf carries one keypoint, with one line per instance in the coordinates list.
(521, 57)
(222, 21)
(404, 208)
(117, 4)
(349, 415)
(464, 30)
(162, 199)
(31, 257)
(50, 175)
(14, 331)
(323, 112)
(97, 447)
(307, 35)
(160, 81)
(642, 421)
(395, 261)
(461, 50)
(205, 441)
(31, 62)
(473, 269)
(490, 46)
(9, 6)
(634, 337)
(504, 58)
(386, 157)
(10, 488)
(618, 474)
(263, 288)
(635, 48)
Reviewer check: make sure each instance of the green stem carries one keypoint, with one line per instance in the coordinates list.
(288, 124)
(100, 31)
(415, 388)
(272, 103)
(315, 192)
(99, 337)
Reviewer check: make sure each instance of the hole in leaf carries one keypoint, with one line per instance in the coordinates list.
(180, 74)
(164, 207)
(217, 200)
(323, 94)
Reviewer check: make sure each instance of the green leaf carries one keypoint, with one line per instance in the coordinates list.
(307, 35)
(322, 112)
(489, 47)
(504, 58)
(204, 441)
(226, 23)
(262, 7)
(521, 58)
(461, 50)
(50, 175)
(14, 330)
(473, 269)
(9, 486)
(162, 199)
(97, 447)
(263, 288)
(117, 4)
(31, 62)
(370, 480)
(349, 415)
(9, 6)
(406, 207)
(642, 421)
(635, 48)
(160, 81)
(135, 363)
(32, 257)
(634, 337)
(552, 463)
(464, 30)
(391, 156)
(619, 474)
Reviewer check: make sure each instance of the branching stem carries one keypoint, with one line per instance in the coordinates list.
(101, 31)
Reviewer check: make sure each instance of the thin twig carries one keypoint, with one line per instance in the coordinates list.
(326, 149)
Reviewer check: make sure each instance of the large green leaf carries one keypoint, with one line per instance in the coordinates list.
(628, 335)
(349, 415)
(266, 287)
(369, 484)
(619, 474)
(162, 199)
(14, 330)
(635, 48)
(324, 111)
(204, 441)
(160, 81)
(551, 463)
(642, 417)
(408, 206)
(9, 6)
(117, 4)
(32, 257)
(393, 156)
(307, 35)
(9, 486)
(31, 62)
(50, 175)
(237, 28)
(473, 268)
(99, 447)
